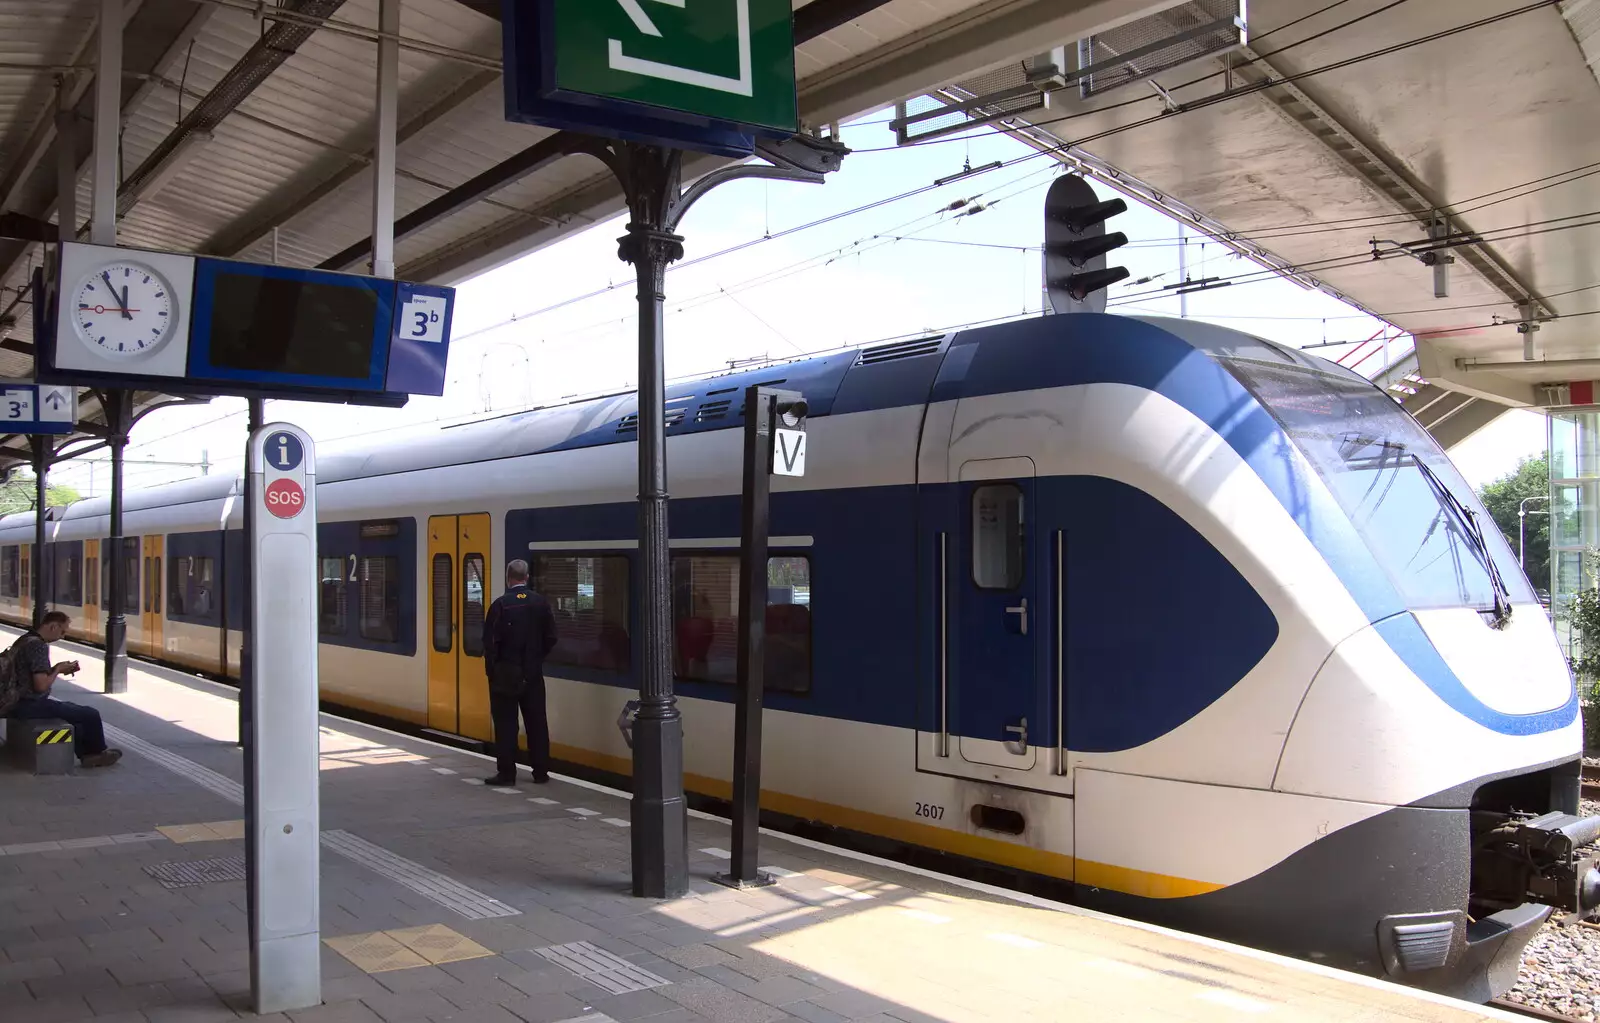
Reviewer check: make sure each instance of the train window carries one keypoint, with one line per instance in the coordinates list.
(998, 539)
(69, 572)
(147, 586)
(190, 590)
(130, 582)
(91, 580)
(443, 603)
(589, 597)
(472, 604)
(155, 585)
(380, 598)
(333, 613)
(176, 591)
(705, 602)
(10, 572)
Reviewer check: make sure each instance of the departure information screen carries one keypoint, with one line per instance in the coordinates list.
(279, 325)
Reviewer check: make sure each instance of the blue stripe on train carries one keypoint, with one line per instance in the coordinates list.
(1161, 624)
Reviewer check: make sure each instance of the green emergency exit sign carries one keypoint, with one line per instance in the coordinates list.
(730, 61)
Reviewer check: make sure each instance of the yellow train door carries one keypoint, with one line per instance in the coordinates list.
(153, 578)
(458, 588)
(90, 623)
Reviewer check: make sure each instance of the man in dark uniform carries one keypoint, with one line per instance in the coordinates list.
(518, 632)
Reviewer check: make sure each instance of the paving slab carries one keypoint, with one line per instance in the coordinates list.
(121, 902)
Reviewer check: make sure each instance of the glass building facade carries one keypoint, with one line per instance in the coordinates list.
(1574, 446)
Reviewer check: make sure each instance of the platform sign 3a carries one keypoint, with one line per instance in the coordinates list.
(701, 74)
(38, 408)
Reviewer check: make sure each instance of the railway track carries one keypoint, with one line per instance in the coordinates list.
(1590, 785)
(1532, 1013)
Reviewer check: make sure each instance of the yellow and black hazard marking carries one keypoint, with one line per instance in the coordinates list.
(50, 736)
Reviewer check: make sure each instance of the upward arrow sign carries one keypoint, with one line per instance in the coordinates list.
(744, 85)
(55, 400)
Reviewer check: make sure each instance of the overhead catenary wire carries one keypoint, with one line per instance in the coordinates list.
(1206, 101)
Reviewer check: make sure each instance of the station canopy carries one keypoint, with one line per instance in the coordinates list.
(241, 117)
(1334, 127)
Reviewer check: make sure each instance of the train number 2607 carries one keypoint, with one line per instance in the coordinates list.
(930, 811)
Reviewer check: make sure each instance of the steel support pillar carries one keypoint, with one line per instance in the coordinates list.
(41, 468)
(659, 814)
(117, 409)
(107, 122)
(383, 150)
(651, 178)
(66, 167)
(258, 414)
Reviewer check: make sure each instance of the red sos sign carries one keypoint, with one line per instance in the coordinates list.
(285, 498)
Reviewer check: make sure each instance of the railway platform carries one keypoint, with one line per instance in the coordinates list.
(122, 899)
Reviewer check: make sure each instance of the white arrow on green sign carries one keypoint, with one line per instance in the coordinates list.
(724, 60)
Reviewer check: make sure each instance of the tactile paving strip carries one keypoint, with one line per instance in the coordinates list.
(189, 873)
(375, 953)
(601, 968)
(447, 892)
(439, 944)
(223, 786)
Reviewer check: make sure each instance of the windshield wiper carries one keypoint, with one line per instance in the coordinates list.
(1474, 533)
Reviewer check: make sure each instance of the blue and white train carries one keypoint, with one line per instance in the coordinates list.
(1201, 626)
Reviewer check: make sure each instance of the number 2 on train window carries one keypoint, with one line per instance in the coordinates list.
(353, 568)
(930, 811)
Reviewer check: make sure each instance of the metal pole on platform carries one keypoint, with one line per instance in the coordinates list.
(107, 120)
(282, 805)
(651, 178)
(41, 466)
(66, 167)
(117, 422)
(754, 526)
(383, 150)
(257, 416)
(659, 814)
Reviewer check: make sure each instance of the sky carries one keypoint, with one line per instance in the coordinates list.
(560, 323)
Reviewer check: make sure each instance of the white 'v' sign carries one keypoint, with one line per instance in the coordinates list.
(789, 454)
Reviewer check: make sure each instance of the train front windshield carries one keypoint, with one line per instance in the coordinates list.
(1387, 474)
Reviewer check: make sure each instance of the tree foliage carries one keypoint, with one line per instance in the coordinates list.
(1531, 478)
(18, 493)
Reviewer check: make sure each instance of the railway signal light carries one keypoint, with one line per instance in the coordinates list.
(1076, 244)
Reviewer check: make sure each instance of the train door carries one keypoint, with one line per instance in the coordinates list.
(458, 594)
(994, 677)
(90, 626)
(152, 609)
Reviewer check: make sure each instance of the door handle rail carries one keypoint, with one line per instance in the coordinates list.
(944, 649)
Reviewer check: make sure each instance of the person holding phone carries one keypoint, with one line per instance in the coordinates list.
(33, 661)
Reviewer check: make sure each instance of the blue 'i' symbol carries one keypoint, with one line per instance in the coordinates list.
(283, 452)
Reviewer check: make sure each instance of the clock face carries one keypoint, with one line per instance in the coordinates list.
(124, 309)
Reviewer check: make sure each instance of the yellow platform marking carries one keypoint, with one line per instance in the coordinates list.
(50, 736)
(439, 944)
(217, 831)
(376, 952)
(381, 951)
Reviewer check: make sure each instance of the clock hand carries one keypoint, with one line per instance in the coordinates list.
(127, 314)
(122, 303)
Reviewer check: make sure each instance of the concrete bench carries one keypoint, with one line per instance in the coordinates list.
(39, 745)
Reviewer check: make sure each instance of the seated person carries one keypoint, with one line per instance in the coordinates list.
(33, 660)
